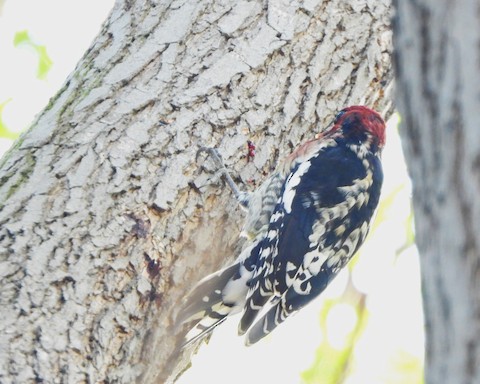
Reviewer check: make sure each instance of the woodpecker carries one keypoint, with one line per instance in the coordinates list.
(304, 223)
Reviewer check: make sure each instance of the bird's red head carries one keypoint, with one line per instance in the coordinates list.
(362, 118)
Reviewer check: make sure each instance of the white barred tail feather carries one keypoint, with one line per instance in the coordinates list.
(205, 304)
(218, 295)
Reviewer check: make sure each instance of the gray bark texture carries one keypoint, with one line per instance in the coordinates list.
(107, 218)
(438, 67)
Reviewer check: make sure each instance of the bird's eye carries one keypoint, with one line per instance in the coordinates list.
(340, 114)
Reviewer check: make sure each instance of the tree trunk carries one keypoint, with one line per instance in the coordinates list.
(106, 216)
(437, 70)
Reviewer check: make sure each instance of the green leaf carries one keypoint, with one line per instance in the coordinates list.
(405, 368)
(331, 366)
(44, 62)
(4, 131)
(22, 38)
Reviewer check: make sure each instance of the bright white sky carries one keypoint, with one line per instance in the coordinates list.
(66, 28)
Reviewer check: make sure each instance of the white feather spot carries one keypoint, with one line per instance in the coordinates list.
(265, 253)
(277, 215)
(361, 199)
(336, 259)
(312, 265)
(340, 230)
(236, 290)
(292, 182)
(291, 266)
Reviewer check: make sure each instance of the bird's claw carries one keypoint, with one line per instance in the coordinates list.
(217, 158)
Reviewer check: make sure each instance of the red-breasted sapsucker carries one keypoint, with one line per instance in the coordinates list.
(305, 222)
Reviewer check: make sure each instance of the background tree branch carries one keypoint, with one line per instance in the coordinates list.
(436, 45)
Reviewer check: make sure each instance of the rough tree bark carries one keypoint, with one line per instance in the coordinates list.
(438, 66)
(106, 217)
